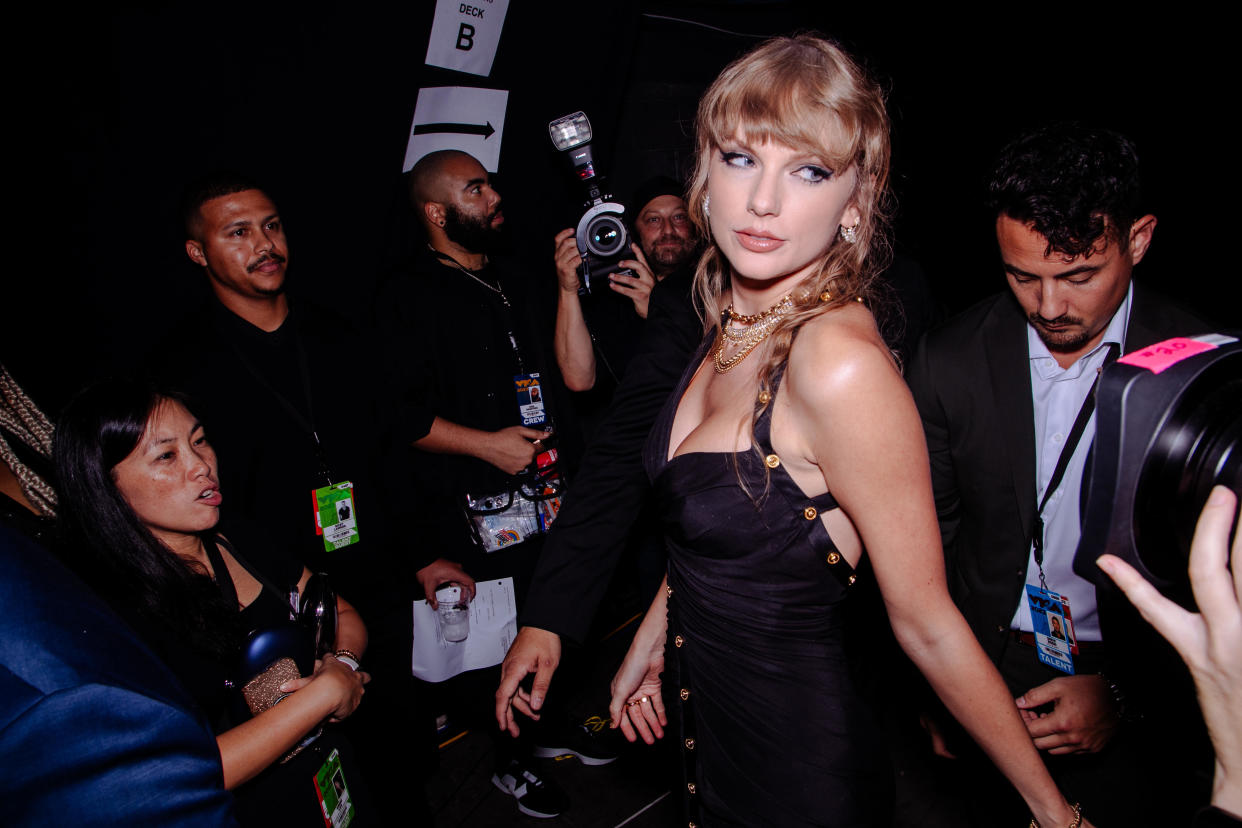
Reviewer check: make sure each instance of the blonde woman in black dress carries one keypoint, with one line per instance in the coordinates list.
(789, 448)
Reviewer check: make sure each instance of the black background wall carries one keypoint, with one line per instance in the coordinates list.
(122, 107)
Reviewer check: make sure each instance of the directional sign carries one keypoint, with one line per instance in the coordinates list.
(485, 130)
(464, 36)
(458, 117)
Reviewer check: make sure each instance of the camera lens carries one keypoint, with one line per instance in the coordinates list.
(605, 235)
(1198, 446)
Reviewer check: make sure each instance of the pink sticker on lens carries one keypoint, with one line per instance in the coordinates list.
(1164, 355)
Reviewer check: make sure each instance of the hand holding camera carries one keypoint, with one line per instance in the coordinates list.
(568, 260)
(601, 237)
(1209, 641)
(636, 281)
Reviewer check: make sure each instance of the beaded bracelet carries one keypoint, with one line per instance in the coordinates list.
(348, 657)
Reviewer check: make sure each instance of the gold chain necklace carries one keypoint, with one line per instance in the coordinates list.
(751, 331)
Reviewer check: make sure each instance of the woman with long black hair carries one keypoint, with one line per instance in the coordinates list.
(140, 500)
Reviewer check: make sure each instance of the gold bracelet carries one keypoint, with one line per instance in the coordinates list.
(1077, 823)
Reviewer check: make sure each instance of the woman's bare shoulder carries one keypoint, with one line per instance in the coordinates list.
(840, 351)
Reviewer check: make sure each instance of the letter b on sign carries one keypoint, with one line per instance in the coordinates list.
(465, 34)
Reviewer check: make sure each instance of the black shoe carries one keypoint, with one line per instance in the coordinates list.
(585, 741)
(534, 796)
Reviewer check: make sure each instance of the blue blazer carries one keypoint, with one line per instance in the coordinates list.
(94, 730)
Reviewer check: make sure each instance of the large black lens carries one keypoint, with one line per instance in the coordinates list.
(1198, 446)
(605, 235)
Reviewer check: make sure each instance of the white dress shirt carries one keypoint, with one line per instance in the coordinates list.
(1058, 394)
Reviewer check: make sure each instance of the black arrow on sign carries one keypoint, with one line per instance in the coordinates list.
(485, 130)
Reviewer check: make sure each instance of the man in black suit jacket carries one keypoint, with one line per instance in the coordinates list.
(583, 547)
(998, 388)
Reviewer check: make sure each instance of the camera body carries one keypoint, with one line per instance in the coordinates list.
(602, 242)
(602, 237)
(1168, 428)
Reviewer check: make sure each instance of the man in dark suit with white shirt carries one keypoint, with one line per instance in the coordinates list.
(1006, 390)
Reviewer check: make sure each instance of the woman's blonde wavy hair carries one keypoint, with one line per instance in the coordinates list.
(804, 92)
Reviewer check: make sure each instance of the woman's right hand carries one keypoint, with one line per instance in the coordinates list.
(637, 706)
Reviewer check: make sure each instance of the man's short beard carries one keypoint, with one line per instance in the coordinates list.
(1065, 341)
(473, 233)
(669, 260)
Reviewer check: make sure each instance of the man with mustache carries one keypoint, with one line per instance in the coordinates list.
(292, 398)
(602, 321)
(1005, 391)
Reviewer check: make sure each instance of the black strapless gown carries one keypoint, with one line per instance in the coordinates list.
(776, 731)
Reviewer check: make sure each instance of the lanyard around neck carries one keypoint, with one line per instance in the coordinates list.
(1067, 452)
(307, 422)
(449, 261)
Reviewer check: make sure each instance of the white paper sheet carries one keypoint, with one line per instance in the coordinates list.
(493, 626)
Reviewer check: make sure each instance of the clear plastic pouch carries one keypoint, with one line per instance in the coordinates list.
(507, 518)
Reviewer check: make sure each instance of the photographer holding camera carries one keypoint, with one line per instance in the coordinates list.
(667, 246)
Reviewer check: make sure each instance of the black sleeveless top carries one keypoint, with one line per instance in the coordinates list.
(776, 729)
(208, 678)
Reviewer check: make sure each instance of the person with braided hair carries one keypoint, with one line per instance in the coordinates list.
(27, 498)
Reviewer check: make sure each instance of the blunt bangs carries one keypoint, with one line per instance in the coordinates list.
(801, 103)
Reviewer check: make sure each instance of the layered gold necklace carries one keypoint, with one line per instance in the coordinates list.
(746, 332)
